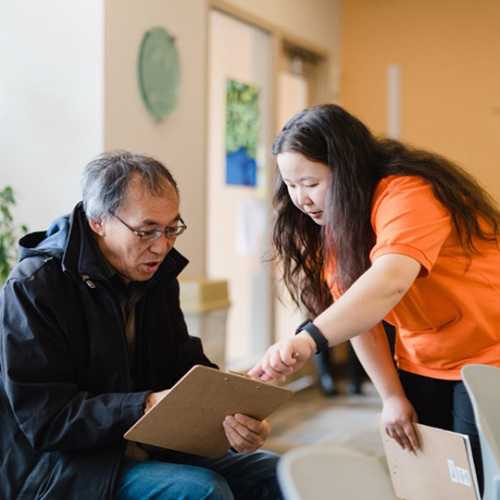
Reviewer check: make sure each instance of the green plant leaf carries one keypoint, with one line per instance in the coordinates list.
(9, 233)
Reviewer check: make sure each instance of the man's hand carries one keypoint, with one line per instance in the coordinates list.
(153, 398)
(245, 434)
(284, 358)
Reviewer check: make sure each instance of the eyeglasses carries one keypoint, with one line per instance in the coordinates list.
(153, 235)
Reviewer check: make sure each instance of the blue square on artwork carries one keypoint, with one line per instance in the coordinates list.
(241, 168)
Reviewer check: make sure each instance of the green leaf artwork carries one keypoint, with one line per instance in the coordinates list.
(242, 132)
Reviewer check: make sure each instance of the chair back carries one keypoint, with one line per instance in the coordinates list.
(483, 385)
(326, 473)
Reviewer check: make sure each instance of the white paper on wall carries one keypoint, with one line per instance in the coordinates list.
(250, 226)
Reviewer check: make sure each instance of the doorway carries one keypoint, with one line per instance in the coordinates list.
(242, 58)
(240, 69)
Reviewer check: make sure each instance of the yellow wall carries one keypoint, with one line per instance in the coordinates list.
(449, 55)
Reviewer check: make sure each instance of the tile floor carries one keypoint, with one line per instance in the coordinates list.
(312, 418)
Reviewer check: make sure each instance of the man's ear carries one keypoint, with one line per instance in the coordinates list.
(97, 226)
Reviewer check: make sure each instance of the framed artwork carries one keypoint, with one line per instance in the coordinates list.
(242, 133)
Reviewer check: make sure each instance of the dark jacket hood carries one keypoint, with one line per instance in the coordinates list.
(48, 243)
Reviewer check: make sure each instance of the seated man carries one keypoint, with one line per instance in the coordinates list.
(92, 336)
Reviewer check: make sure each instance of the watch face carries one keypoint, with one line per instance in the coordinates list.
(159, 72)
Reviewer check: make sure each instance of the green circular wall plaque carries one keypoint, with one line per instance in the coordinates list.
(159, 72)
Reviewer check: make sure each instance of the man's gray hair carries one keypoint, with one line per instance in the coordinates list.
(105, 181)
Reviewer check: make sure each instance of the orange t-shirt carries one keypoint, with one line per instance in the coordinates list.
(450, 316)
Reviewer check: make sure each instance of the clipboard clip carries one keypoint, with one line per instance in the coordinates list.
(242, 375)
(239, 373)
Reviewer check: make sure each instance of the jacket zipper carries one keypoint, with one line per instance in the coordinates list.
(88, 281)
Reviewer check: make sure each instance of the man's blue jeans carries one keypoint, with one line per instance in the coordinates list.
(180, 476)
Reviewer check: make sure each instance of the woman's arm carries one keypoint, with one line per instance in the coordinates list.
(363, 306)
(369, 299)
(398, 414)
(356, 315)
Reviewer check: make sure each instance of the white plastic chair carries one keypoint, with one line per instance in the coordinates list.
(326, 473)
(483, 385)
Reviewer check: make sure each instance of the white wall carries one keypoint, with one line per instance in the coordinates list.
(51, 97)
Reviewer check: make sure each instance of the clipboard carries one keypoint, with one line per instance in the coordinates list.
(441, 468)
(189, 418)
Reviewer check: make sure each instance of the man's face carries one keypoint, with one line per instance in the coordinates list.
(135, 260)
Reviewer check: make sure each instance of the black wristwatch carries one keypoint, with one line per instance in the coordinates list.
(319, 339)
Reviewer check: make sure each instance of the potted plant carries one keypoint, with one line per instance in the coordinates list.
(9, 233)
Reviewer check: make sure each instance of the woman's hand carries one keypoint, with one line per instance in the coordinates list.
(245, 434)
(398, 417)
(284, 358)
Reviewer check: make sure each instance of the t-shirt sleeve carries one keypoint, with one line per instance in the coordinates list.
(409, 220)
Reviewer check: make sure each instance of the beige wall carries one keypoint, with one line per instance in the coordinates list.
(449, 55)
(315, 21)
(180, 140)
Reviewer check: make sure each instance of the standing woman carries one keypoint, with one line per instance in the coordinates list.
(391, 233)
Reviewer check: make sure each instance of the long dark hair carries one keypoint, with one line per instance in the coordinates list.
(358, 161)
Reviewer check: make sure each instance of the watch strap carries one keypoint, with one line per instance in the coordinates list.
(319, 339)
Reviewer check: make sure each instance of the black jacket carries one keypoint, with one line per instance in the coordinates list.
(65, 400)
